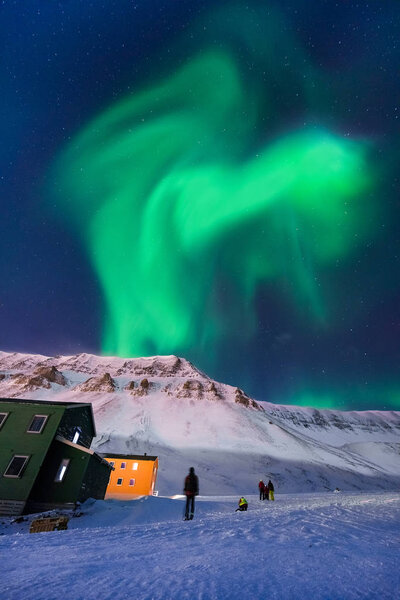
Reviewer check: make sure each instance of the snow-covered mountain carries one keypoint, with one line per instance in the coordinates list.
(163, 405)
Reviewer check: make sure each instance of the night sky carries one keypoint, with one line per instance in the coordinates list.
(216, 180)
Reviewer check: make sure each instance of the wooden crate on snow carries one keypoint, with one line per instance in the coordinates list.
(49, 524)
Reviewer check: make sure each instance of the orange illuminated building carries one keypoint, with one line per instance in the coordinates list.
(133, 475)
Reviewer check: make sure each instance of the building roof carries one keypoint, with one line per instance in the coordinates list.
(71, 405)
(96, 455)
(127, 456)
(40, 402)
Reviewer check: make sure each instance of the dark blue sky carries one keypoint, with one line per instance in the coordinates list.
(64, 62)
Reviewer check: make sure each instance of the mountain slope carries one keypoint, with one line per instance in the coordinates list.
(165, 406)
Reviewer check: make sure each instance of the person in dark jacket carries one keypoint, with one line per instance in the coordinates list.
(270, 487)
(261, 488)
(266, 492)
(191, 489)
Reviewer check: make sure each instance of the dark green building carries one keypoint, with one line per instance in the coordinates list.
(45, 456)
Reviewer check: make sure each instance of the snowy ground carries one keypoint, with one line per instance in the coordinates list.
(310, 546)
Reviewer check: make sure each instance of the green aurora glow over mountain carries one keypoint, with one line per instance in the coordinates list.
(229, 196)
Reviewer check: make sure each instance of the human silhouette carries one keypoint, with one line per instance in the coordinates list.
(191, 489)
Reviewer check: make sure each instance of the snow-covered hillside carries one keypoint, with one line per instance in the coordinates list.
(165, 406)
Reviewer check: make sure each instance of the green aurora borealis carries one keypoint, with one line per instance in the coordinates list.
(222, 205)
(170, 198)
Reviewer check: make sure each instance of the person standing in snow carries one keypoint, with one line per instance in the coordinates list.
(191, 489)
(270, 490)
(261, 488)
(266, 492)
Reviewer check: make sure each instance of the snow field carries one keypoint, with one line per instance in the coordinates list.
(316, 546)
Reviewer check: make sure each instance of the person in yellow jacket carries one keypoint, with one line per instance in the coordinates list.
(243, 504)
(270, 487)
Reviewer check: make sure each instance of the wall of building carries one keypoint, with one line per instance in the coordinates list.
(86, 476)
(46, 489)
(14, 440)
(77, 417)
(144, 476)
(96, 480)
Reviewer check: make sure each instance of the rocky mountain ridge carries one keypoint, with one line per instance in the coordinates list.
(160, 366)
(21, 373)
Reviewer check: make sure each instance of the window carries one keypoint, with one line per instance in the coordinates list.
(62, 470)
(119, 481)
(16, 466)
(132, 482)
(76, 435)
(111, 462)
(37, 424)
(135, 466)
(3, 417)
(123, 465)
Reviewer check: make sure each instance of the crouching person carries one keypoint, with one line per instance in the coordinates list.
(242, 504)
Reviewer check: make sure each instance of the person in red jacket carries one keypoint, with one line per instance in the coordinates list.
(191, 489)
(261, 488)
